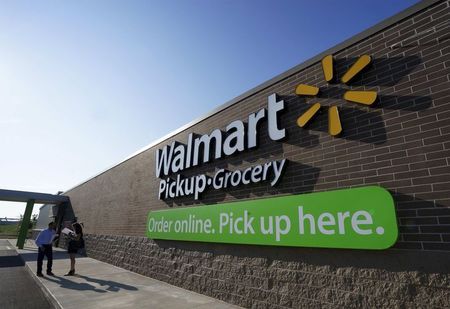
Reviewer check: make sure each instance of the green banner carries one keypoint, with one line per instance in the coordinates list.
(359, 218)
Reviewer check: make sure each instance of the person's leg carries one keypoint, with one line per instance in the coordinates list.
(41, 254)
(72, 265)
(72, 261)
(49, 255)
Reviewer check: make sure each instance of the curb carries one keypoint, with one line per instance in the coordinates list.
(48, 295)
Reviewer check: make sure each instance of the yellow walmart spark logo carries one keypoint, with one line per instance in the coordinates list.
(362, 97)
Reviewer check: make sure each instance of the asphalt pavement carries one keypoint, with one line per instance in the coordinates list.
(18, 289)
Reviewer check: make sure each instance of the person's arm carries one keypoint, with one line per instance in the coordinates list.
(38, 240)
(54, 237)
(77, 237)
(72, 236)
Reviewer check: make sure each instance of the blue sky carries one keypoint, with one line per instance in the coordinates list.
(83, 84)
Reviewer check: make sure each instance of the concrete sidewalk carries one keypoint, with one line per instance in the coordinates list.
(101, 285)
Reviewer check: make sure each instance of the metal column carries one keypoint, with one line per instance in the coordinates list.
(25, 224)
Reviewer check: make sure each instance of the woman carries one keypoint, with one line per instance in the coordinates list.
(76, 242)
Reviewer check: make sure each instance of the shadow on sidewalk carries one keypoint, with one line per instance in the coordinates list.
(11, 261)
(112, 285)
(83, 286)
(69, 284)
(57, 255)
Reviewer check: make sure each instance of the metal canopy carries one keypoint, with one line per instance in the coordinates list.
(25, 196)
(30, 198)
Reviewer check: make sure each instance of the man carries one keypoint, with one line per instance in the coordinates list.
(44, 242)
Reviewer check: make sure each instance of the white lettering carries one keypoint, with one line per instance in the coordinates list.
(277, 169)
(301, 221)
(235, 140)
(325, 219)
(274, 107)
(278, 223)
(253, 120)
(177, 157)
(367, 219)
(205, 140)
(163, 159)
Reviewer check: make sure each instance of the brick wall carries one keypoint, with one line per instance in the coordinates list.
(260, 277)
(402, 144)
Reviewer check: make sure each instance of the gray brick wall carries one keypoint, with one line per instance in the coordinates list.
(260, 277)
(402, 144)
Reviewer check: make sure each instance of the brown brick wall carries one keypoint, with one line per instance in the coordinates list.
(402, 144)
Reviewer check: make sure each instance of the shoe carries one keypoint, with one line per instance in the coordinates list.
(49, 273)
(40, 275)
(70, 273)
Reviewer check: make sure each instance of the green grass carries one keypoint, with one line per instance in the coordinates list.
(12, 230)
(9, 230)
